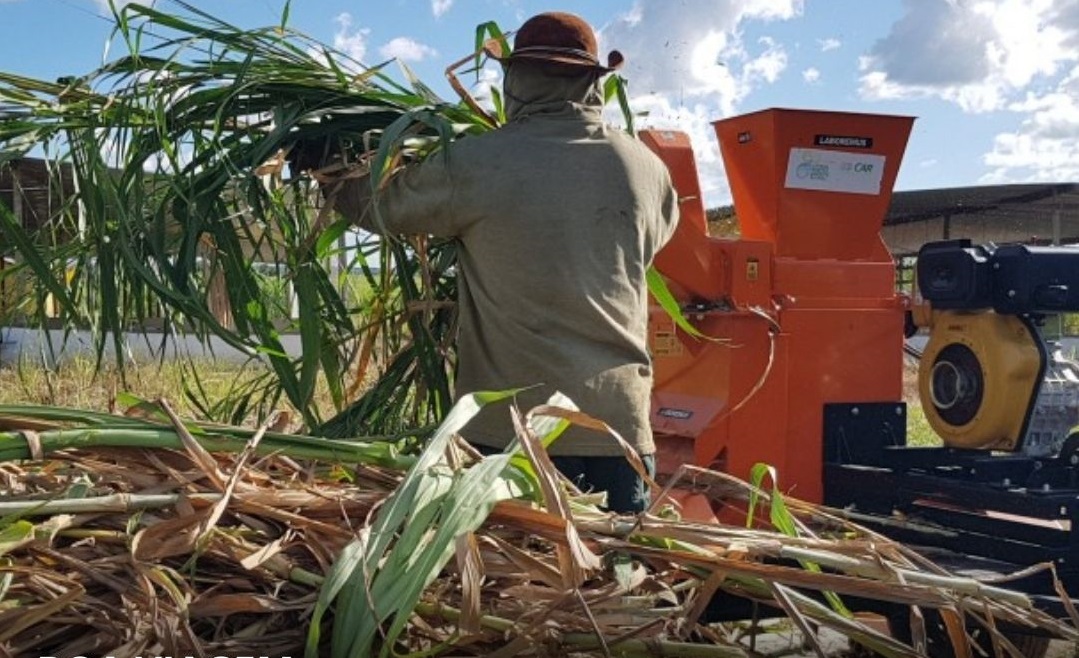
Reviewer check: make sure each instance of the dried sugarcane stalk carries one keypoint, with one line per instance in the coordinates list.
(99, 526)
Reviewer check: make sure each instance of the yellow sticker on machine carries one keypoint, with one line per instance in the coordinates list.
(665, 343)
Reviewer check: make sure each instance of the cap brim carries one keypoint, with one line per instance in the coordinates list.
(494, 49)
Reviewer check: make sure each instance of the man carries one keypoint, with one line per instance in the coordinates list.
(558, 217)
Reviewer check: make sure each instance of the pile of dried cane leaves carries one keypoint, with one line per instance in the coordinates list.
(142, 534)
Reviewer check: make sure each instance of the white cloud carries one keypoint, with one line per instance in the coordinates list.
(695, 49)
(688, 64)
(977, 54)
(483, 89)
(352, 42)
(811, 75)
(696, 121)
(1045, 146)
(1004, 56)
(406, 50)
(768, 65)
(103, 5)
(439, 7)
(828, 44)
(767, 9)
(634, 16)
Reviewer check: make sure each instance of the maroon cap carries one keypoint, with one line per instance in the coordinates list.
(557, 37)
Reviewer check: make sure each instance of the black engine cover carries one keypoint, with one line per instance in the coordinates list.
(1015, 279)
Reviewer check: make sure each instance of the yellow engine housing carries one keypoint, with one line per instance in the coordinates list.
(979, 378)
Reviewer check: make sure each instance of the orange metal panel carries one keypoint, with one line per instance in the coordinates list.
(813, 261)
(853, 355)
(690, 259)
(758, 428)
(852, 158)
(749, 273)
(698, 383)
(836, 284)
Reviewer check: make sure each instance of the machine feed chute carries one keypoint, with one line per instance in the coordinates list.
(817, 184)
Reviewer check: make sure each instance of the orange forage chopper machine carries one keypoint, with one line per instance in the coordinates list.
(805, 300)
(809, 375)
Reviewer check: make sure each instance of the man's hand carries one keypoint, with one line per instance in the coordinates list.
(348, 191)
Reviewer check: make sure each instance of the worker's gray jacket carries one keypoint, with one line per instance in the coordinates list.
(558, 217)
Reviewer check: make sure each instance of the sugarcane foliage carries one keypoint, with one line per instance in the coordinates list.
(190, 203)
(190, 173)
(145, 530)
(381, 575)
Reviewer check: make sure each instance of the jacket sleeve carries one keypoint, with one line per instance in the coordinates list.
(417, 199)
(665, 221)
(670, 214)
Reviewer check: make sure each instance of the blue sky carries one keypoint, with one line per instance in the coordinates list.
(994, 83)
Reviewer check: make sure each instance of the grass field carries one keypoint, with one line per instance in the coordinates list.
(919, 433)
(75, 384)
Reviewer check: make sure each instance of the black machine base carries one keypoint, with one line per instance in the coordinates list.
(999, 512)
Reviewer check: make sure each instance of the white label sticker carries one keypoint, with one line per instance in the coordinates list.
(835, 171)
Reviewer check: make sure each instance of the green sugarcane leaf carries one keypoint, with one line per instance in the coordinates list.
(421, 89)
(485, 31)
(615, 87)
(15, 535)
(756, 478)
(657, 286)
(327, 241)
(285, 14)
(784, 521)
(500, 106)
(348, 561)
(12, 229)
(464, 508)
(412, 507)
(334, 369)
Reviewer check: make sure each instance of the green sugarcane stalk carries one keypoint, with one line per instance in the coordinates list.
(14, 446)
(123, 503)
(114, 503)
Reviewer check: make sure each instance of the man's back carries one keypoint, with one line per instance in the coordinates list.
(558, 219)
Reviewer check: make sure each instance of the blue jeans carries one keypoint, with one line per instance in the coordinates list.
(627, 492)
